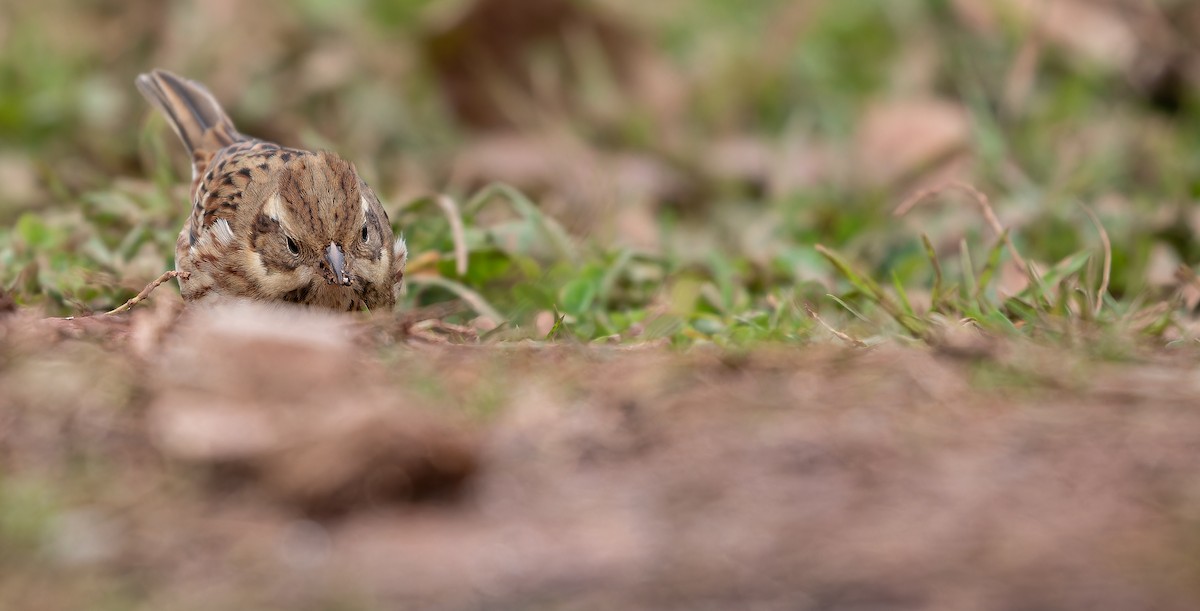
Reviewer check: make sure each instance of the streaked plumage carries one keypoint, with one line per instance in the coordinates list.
(273, 223)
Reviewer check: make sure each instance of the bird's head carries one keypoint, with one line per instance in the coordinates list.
(322, 235)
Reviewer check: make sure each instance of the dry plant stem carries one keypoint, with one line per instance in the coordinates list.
(984, 204)
(140, 297)
(1107, 244)
(473, 299)
(839, 334)
(436, 311)
(432, 331)
(450, 209)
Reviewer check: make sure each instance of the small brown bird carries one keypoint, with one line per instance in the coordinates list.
(273, 223)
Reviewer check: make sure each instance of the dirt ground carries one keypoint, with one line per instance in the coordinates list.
(236, 459)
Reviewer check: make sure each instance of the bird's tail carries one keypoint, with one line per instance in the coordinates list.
(192, 111)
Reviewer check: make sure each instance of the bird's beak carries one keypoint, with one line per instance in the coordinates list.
(337, 264)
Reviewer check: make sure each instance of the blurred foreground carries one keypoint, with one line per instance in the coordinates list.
(152, 464)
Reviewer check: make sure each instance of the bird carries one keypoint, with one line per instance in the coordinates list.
(272, 223)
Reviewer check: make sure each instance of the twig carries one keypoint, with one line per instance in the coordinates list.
(839, 334)
(140, 297)
(984, 204)
(1104, 241)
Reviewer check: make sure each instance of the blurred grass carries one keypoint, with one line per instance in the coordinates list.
(730, 258)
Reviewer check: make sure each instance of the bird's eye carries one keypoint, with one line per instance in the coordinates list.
(365, 235)
(292, 246)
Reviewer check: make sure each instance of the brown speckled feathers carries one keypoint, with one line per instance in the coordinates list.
(273, 223)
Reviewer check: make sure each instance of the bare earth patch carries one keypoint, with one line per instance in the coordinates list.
(240, 458)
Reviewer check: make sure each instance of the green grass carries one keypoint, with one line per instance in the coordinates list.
(736, 265)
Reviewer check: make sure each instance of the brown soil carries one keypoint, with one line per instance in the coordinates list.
(244, 459)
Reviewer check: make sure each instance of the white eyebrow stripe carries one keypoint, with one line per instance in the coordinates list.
(274, 207)
(365, 206)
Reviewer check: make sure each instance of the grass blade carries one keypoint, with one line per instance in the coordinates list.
(554, 233)
(860, 282)
(968, 269)
(935, 300)
(900, 292)
(989, 269)
(872, 291)
(849, 309)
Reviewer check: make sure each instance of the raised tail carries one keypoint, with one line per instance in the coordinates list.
(192, 111)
